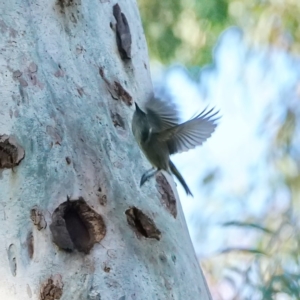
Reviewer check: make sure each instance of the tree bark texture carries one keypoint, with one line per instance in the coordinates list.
(74, 222)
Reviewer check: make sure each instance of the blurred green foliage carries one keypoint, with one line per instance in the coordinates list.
(186, 31)
(183, 30)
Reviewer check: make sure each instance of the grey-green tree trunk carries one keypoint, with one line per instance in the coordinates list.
(74, 223)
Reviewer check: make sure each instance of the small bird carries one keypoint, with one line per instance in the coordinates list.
(159, 134)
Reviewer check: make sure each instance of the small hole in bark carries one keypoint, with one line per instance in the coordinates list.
(68, 160)
(11, 153)
(30, 244)
(101, 197)
(142, 224)
(52, 288)
(117, 120)
(122, 93)
(76, 226)
(162, 258)
(167, 197)
(106, 269)
(38, 218)
(12, 259)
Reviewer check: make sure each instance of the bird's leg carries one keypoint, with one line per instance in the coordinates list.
(148, 174)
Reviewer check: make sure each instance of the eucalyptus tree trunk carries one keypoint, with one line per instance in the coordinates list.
(74, 222)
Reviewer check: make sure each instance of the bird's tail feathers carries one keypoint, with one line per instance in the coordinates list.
(180, 178)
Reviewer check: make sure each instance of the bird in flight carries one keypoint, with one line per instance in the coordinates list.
(159, 134)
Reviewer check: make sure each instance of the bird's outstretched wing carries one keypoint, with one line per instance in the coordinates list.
(190, 134)
(161, 114)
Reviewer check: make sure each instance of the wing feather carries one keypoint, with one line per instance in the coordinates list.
(161, 114)
(191, 133)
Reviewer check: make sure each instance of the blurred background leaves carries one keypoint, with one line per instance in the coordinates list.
(186, 30)
(247, 214)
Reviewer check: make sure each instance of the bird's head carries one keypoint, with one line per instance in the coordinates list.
(140, 124)
(138, 110)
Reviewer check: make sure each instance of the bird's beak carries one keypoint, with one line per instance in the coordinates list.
(138, 110)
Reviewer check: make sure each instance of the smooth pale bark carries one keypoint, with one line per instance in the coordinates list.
(63, 102)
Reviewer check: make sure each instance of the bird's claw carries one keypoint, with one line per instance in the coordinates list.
(144, 179)
(147, 175)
